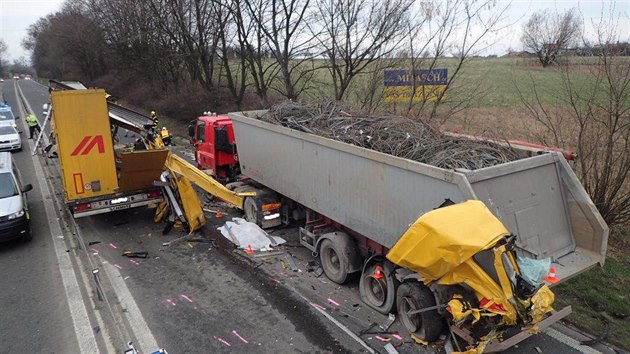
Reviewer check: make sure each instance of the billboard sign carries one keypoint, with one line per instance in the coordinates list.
(401, 85)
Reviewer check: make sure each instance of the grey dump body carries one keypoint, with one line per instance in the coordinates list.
(377, 195)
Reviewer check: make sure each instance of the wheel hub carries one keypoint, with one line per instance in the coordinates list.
(376, 290)
(411, 322)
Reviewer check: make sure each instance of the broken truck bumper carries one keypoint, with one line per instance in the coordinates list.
(498, 346)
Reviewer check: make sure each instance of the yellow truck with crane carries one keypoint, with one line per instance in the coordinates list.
(101, 175)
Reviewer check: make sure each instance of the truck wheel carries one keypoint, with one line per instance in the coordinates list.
(378, 292)
(251, 210)
(416, 296)
(334, 262)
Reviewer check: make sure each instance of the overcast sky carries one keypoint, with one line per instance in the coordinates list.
(17, 15)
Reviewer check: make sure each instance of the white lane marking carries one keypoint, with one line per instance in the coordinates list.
(571, 342)
(78, 312)
(332, 319)
(344, 328)
(141, 330)
(60, 249)
(146, 340)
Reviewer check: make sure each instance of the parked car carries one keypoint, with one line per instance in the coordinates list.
(6, 116)
(10, 139)
(15, 220)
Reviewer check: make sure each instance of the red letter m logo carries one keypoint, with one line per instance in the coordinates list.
(87, 144)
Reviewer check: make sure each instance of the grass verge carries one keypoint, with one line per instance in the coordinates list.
(601, 296)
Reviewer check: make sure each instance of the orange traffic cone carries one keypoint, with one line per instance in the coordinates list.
(377, 272)
(219, 214)
(249, 250)
(552, 278)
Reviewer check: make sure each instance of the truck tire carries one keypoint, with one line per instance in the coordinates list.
(416, 296)
(334, 261)
(251, 210)
(378, 292)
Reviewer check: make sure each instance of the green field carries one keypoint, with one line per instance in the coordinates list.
(601, 296)
(490, 82)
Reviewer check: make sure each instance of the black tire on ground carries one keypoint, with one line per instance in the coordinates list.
(334, 261)
(416, 296)
(379, 294)
(251, 210)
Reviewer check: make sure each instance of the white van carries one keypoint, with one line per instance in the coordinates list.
(15, 220)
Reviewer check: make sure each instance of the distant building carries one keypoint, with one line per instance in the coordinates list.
(519, 54)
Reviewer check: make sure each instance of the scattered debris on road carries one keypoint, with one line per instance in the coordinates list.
(132, 254)
(245, 234)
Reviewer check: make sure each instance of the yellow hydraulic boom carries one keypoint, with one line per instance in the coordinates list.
(205, 182)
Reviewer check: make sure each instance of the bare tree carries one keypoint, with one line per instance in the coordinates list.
(139, 46)
(3, 61)
(194, 29)
(232, 44)
(462, 28)
(595, 120)
(67, 42)
(353, 34)
(283, 24)
(262, 70)
(547, 34)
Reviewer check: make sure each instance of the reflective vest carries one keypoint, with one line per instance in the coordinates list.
(31, 120)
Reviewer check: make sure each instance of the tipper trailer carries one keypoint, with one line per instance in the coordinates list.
(358, 203)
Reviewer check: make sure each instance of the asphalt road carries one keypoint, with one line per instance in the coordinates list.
(196, 295)
(35, 313)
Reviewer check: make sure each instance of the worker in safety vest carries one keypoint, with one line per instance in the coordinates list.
(166, 137)
(154, 118)
(33, 124)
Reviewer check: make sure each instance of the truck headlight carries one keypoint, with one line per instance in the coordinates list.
(19, 214)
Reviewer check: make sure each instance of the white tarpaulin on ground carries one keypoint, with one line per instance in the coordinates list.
(244, 233)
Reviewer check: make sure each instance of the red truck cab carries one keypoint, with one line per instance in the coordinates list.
(215, 149)
(215, 152)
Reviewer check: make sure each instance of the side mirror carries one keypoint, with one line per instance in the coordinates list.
(27, 187)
